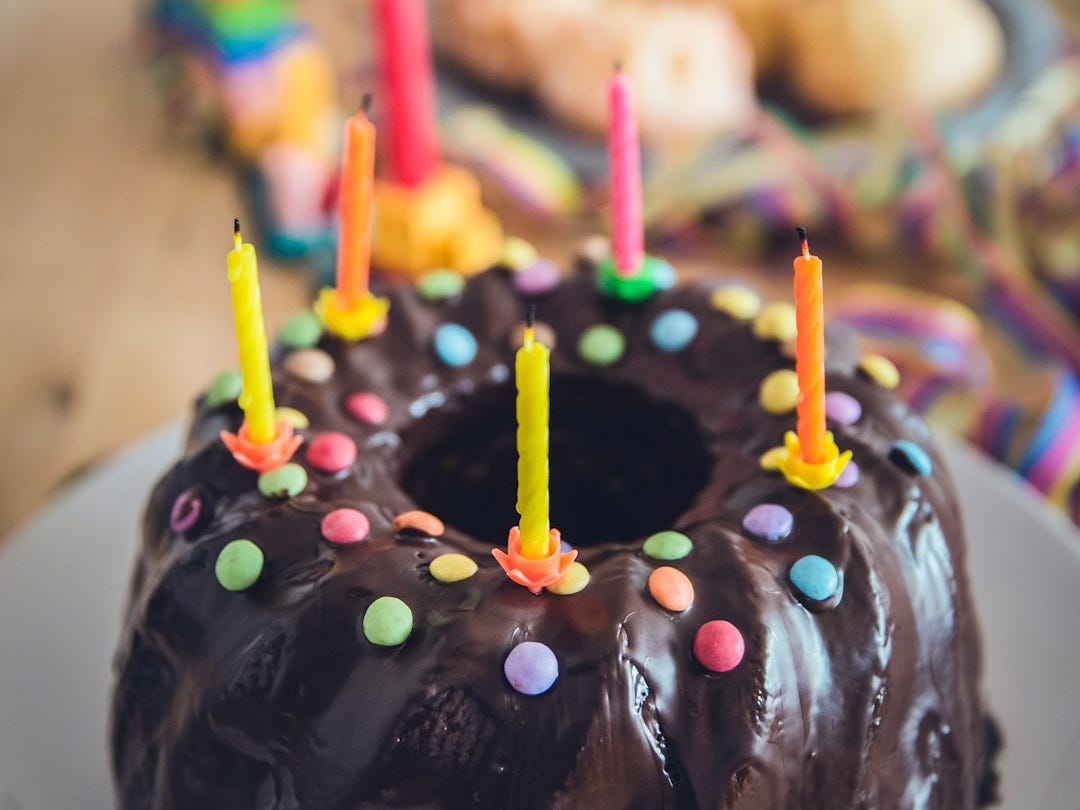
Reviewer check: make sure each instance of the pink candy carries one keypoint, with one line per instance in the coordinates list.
(345, 526)
(719, 646)
(331, 452)
(371, 409)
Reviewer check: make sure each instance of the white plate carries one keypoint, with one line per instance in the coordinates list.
(63, 580)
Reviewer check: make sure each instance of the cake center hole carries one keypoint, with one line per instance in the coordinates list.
(623, 465)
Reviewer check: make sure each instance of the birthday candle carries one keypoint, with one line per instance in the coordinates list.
(257, 393)
(624, 154)
(357, 181)
(533, 374)
(810, 354)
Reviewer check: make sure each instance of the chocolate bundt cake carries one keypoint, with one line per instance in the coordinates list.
(302, 639)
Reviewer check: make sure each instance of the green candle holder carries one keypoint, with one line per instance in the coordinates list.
(653, 275)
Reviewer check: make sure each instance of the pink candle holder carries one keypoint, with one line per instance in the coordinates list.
(534, 573)
(262, 457)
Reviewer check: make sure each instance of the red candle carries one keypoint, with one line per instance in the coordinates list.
(624, 154)
(409, 90)
(810, 354)
(355, 209)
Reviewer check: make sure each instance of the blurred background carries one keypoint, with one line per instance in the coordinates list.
(932, 147)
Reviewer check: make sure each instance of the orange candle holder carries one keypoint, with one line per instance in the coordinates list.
(440, 223)
(265, 456)
(805, 474)
(534, 573)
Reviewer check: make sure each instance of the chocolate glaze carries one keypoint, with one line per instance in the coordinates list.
(269, 698)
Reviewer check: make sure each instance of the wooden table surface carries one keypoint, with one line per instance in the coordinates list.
(114, 308)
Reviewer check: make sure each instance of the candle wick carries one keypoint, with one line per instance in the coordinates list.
(365, 102)
(618, 65)
(530, 316)
(805, 244)
(237, 238)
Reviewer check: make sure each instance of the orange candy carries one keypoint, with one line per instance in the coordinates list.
(419, 521)
(671, 588)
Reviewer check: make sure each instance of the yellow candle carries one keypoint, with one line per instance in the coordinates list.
(533, 375)
(257, 393)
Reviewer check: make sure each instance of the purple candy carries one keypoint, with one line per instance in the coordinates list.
(542, 276)
(531, 668)
(565, 547)
(849, 477)
(186, 511)
(769, 521)
(842, 408)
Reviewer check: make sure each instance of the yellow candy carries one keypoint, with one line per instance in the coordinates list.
(779, 391)
(776, 321)
(880, 369)
(517, 253)
(739, 302)
(452, 567)
(292, 416)
(574, 580)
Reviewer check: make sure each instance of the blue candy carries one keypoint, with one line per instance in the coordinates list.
(911, 458)
(673, 330)
(815, 577)
(455, 345)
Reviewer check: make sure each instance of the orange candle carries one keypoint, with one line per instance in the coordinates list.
(810, 354)
(355, 209)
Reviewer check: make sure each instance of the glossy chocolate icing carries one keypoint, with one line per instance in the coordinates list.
(269, 698)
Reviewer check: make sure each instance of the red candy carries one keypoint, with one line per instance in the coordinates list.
(331, 452)
(344, 526)
(366, 407)
(719, 646)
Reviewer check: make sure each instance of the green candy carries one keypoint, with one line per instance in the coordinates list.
(301, 330)
(438, 285)
(238, 565)
(225, 387)
(668, 546)
(387, 622)
(284, 482)
(601, 345)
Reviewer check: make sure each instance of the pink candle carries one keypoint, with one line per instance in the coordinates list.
(624, 154)
(408, 90)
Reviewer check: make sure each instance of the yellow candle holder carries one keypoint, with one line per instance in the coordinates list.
(534, 573)
(789, 461)
(262, 456)
(363, 318)
(440, 223)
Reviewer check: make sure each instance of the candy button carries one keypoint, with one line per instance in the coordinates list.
(542, 333)
(540, 277)
(238, 565)
(601, 345)
(776, 321)
(286, 481)
(517, 253)
(842, 408)
(880, 369)
(344, 526)
(310, 365)
(719, 646)
(739, 302)
(331, 452)
(673, 330)
(815, 577)
(671, 589)
(452, 567)
(769, 521)
(419, 521)
(663, 274)
(301, 330)
(187, 511)
(225, 387)
(849, 476)
(779, 391)
(668, 545)
(363, 406)
(455, 345)
(438, 285)
(387, 622)
(531, 668)
(911, 458)
(575, 579)
(296, 419)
